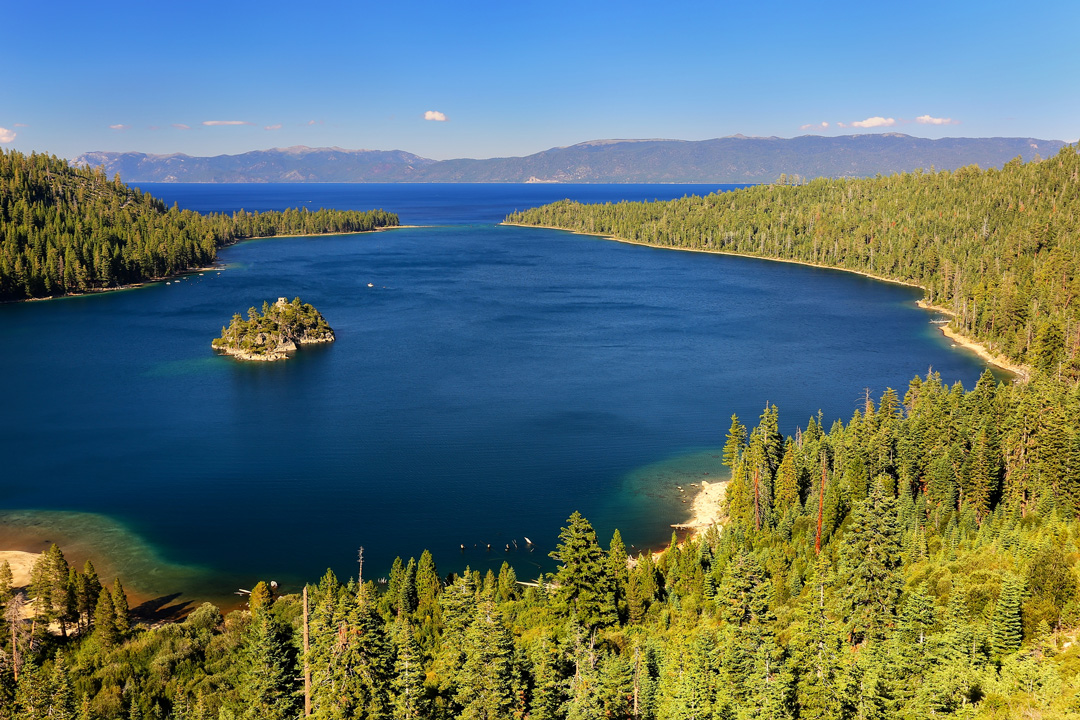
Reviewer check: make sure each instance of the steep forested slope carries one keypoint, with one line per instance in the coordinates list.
(65, 230)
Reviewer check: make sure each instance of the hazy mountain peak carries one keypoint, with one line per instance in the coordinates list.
(729, 159)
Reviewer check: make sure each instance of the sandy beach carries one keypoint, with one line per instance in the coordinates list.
(976, 347)
(21, 563)
(706, 510)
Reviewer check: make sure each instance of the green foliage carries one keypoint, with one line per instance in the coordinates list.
(66, 230)
(484, 685)
(278, 328)
(586, 587)
(268, 680)
(925, 598)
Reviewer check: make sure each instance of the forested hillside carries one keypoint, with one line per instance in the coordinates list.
(66, 230)
(918, 561)
(1000, 248)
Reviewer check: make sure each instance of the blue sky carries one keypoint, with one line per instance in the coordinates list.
(502, 78)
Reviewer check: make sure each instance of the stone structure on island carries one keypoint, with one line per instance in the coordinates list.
(274, 333)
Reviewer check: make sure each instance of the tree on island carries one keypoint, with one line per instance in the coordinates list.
(274, 332)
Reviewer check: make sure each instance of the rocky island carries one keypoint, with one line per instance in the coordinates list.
(274, 333)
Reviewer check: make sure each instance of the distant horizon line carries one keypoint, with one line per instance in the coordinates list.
(297, 149)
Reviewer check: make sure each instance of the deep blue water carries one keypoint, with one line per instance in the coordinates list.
(493, 380)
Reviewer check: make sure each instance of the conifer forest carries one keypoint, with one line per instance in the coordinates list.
(917, 560)
(66, 230)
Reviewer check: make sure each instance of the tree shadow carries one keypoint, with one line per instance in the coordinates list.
(161, 609)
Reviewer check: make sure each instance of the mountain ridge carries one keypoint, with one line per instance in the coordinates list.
(732, 159)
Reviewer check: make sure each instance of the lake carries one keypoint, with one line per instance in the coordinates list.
(490, 382)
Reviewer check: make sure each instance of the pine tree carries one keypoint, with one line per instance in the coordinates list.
(408, 699)
(6, 581)
(616, 686)
(33, 694)
(120, 609)
(507, 583)
(689, 679)
(870, 567)
(484, 690)
(260, 599)
(268, 687)
(428, 615)
(817, 651)
(584, 690)
(619, 573)
(407, 595)
(105, 619)
(361, 661)
(585, 585)
(548, 694)
(88, 591)
(787, 482)
(736, 441)
(1006, 627)
(62, 702)
(458, 608)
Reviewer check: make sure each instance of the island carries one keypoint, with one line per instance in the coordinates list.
(274, 333)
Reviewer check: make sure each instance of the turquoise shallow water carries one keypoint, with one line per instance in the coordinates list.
(492, 381)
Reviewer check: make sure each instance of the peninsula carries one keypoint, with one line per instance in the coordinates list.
(71, 231)
(274, 333)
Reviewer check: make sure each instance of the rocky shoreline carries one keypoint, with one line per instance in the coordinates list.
(273, 335)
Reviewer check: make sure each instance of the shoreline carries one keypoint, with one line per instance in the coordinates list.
(974, 345)
(216, 266)
(616, 238)
(963, 341)
(706, 509)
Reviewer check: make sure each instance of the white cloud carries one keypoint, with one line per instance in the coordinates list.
(435, 115)
(227, 122)
(927, 120)
(815, 126)
(273, 127)
(873, 122)
(181, 126)
(120, 127)
(6, 135)
(20, 125)
(314, 122)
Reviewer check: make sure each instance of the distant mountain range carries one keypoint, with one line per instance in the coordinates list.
(734, 159)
